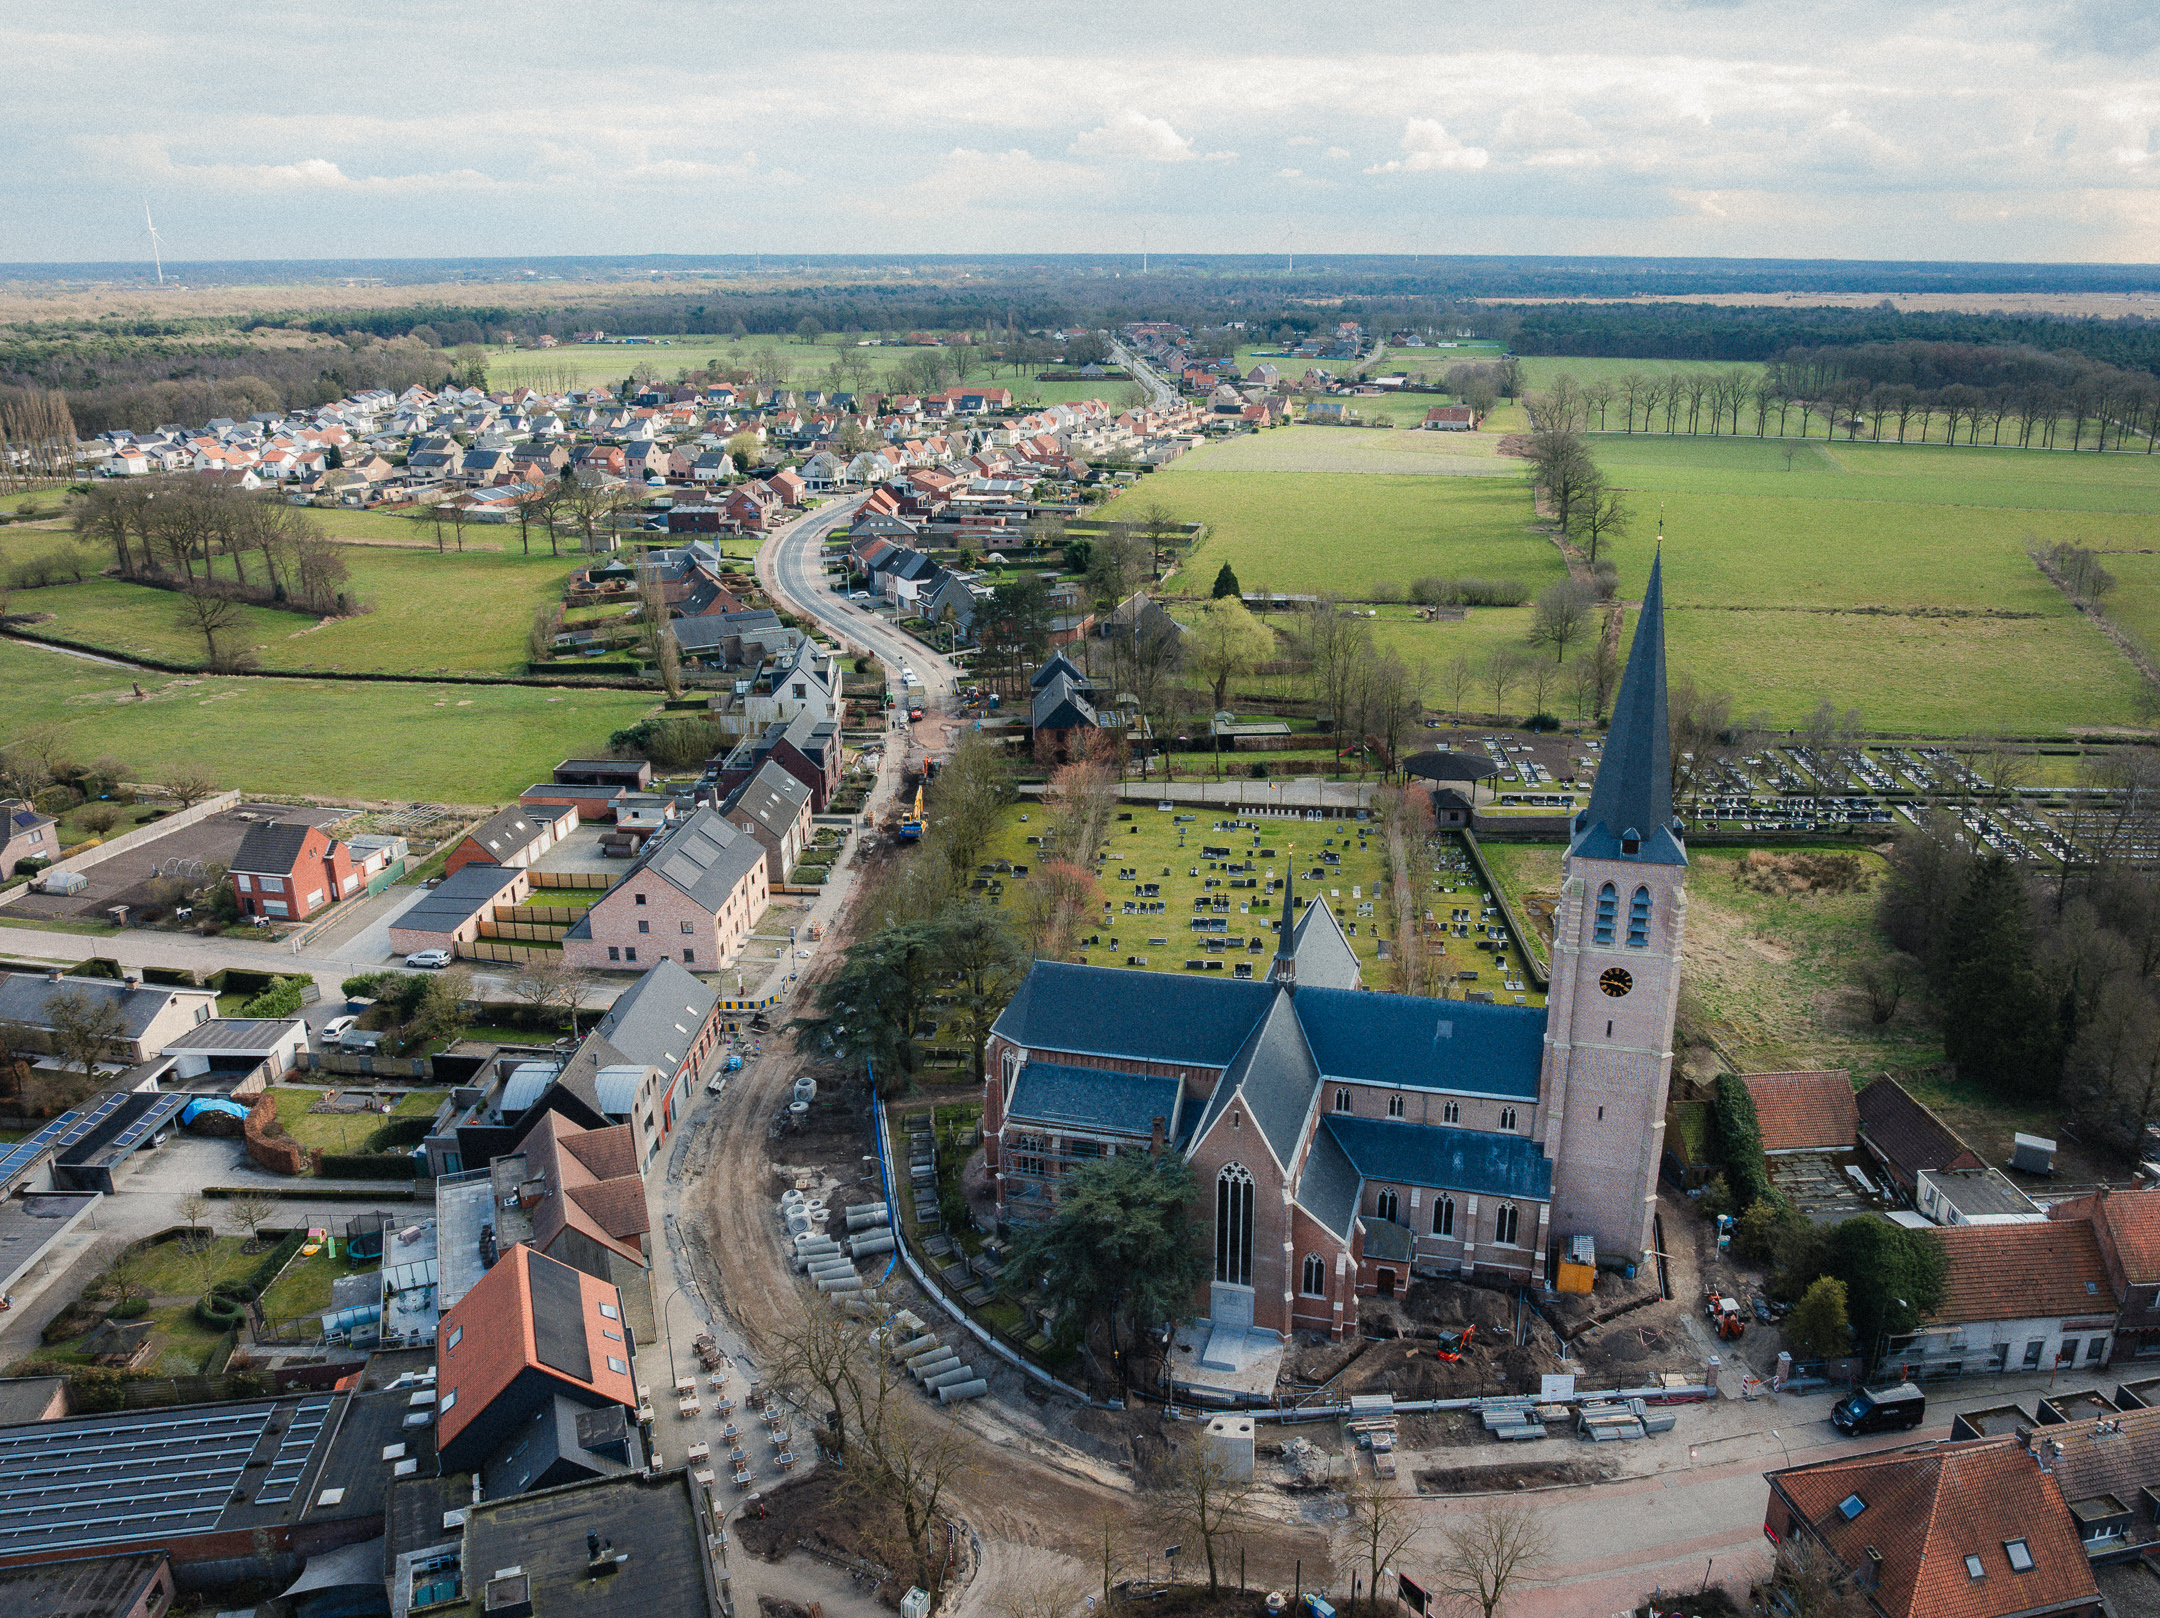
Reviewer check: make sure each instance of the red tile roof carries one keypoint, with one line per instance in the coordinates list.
(2021, 1272)
(1805, 1111)
(2133, 1219)
(1925, 1511)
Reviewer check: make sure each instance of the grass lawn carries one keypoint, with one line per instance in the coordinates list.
(478, 744)
(304, 1288)
(1341, 531)
(1149, 846)
(419, 1104)
(806, 363)
(169, 1270)
(330, 1131)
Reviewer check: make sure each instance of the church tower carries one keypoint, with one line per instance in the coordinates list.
(1616, 967)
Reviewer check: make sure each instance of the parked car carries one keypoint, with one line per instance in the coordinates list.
(334, 1031)
(428, 957)
(1880, 1410)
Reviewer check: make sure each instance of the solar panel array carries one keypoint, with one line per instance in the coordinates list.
(25, 1152)
(95, 1116)
(151, 1119)
(124, 1477)
(283, 1479)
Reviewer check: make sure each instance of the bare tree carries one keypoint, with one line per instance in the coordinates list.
(1490, 1554)
(819, 1352)
(191, 1207)
(86, 1028)
(1383, 1524)
(210, 616)
(1600, 517)
(248, 1213)
(126, 1274)
(190, 786)
(1461, 676)
(1565, 612)
(1811, 1583)
(1202, 1498)
(1503, 667)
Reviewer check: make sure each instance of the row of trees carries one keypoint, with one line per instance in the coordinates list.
(162, 529)
(37, 438)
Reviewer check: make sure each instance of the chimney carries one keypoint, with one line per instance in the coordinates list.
(1874, 1568)
(131, 981)
(52, 974)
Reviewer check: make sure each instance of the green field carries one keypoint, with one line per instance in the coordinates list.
(582, 364)
(456, 744)
(1539, 370)
(1403, 449)
(1341, 531)
(434, 614)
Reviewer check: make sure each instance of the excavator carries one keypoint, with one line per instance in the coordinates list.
(911, 824)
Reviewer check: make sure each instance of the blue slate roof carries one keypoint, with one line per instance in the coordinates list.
(1419, 1044)
(1090, 1098)
(1633, 794)
(1328, 1189)
(1275, 1074)
(1147, 1016)
(1465, 1160)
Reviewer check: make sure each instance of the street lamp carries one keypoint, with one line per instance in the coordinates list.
(1780, 1437)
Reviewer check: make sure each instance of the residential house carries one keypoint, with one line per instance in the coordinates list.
(1904, 1137)
(592, 1214)
(2127, 1226)
(1982, 1196)
(693, 897)
(751, 508)
(1451, 419)
(2108, 1468)
(2015, 1297)
(665, 1027)
(787, 486)
(25, 835)
(773, 807)
(289, 870)
(807, 747)
(453, 913)
(151, 1016)
(534, 1377)
(1062, 711)
(516, 836)
(1949, 1530)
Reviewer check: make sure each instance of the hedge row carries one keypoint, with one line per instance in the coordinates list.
(1740, 1135)
(296, 1193)
(399, 1132)
(367, 1166)
(176, 666)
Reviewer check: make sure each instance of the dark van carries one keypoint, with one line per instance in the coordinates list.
(1880, 1410)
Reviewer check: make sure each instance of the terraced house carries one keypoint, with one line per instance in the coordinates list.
(1345, 1140)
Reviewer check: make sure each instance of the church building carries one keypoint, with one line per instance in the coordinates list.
(1344, 1140)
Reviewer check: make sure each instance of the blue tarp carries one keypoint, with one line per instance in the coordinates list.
(195, 1109)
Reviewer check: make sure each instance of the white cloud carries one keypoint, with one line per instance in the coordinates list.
(1427, 146)
(1336, 152)
(1134, 136)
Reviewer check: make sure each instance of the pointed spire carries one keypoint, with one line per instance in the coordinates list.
(1632, 800)
(1285, 946)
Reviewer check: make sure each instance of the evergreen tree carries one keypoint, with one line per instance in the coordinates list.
(1818, 1325)
(1226, 584)
(1893, 1279)
(2000, 1026)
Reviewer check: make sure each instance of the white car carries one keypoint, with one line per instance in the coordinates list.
(428, 957)
(333, 1031)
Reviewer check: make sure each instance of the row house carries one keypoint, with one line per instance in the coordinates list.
(693, 897)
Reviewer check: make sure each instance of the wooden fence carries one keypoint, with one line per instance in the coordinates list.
(486, 949)
(541, 915)
(523, 932)
(592, 881)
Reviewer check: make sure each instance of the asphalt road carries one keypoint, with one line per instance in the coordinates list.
(1165, 394)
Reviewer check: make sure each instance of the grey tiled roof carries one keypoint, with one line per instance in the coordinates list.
(1275, 1076)
(1466, 1160)
(1398, 1039)
(655, 1021)
(25, 995)
(704, 856)
(271, 850)
(1328, 1189)
(460, 896)
(1090, 1098)
(1324, 957)
(1112, 1011)
(772, 797)
(510, 831)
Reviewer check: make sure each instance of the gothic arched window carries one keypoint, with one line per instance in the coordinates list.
(1608, 908)
(1233, 1225)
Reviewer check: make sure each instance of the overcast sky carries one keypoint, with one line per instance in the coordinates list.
(1838, 129)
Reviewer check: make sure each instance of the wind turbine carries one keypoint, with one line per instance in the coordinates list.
(156, 258)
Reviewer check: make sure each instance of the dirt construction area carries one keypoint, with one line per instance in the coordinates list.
(125, 878)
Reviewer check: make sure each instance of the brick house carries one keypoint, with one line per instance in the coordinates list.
(773, 807)
(692, 897)
(25, 835)
(288, 871)
(450, 914)
(2127, 1227)
(515, 836)
(807, 747)
(1957, 1530)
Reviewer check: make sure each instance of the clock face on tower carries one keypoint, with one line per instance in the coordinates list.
(1615, 981)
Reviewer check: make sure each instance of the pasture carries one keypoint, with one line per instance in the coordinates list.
(1341, 531)
(1299, 448)
(434, 614)
(805, 364)
(446, 743)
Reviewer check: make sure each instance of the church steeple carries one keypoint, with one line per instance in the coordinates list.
(1285, 970)
(1631, 810)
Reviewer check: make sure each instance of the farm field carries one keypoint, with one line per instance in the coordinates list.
(454, 744)
(1340, 531)
(1354, 449)
(582, 364)
(1540, 370)
(455, 613)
